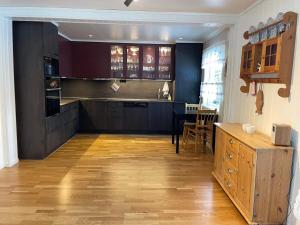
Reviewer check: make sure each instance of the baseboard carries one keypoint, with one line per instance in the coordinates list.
(12, 162)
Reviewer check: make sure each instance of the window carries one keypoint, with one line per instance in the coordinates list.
(212, 84)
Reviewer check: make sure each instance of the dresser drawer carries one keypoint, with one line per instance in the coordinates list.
(232, 144)
(231, 171)
(231, 157)
(230, 185)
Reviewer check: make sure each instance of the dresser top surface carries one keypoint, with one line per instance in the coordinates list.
(255, 141)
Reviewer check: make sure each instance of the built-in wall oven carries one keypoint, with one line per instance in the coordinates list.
(51, 67)
(52, 86)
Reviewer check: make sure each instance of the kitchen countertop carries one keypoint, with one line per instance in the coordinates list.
(65, 101)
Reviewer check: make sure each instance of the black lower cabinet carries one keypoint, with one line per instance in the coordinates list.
(125, 117)
(114, 116)
(135, 117)
(160, 117)
(92, 116)
(61, 127)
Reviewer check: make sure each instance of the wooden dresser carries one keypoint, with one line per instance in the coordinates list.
(254, 173)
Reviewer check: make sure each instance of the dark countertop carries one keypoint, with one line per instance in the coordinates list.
(65, 101)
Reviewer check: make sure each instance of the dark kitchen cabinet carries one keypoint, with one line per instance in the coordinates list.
(165, 65)
(160, 116)
(65, 57)
(188, 72)
(93, 116)
(50, 40)
(95, 60)
(135, 116)
(125, 116)
(90, 60)
(115, 117)
(117, 56)
(62, 127)
(31, 42)
(149, 62)
(142, 61)
(133, 62)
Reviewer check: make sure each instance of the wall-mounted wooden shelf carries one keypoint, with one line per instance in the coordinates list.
(275, 57)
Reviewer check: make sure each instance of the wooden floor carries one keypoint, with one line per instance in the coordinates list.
(113, 180)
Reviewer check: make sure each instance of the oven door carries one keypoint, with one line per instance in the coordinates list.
(52, 102)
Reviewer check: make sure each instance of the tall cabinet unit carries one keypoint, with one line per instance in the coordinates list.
(33, 41)
(188, 72)
(254, 173)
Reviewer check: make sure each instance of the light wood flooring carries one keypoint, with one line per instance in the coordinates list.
(115, 180)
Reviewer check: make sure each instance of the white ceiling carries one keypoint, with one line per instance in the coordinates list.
(139, 32)
(199, 6)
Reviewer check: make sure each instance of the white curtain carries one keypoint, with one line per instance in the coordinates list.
(8, 130)
(212, 84)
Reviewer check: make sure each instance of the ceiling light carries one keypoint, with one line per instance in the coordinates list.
(181, 38)
(90, 35)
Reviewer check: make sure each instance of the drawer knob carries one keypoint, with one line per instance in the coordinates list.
(229, 185)
(230, 171)
(229, 155)
(231, 141)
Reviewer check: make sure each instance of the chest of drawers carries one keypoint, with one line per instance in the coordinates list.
(254, 173)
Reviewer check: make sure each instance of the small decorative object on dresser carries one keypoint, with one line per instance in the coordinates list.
(254, 173)
(281, 134)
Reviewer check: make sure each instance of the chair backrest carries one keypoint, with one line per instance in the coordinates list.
(191, 107)
(206, 118)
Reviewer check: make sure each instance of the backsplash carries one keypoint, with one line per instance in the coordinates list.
(133, 89)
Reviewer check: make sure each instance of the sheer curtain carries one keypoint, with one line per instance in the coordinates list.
(212, 83)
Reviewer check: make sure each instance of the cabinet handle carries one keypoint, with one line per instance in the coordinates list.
(230, 171)
(229, 155)
(229, 185)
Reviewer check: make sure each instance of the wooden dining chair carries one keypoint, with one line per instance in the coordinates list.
(188, 124)
(202, 132)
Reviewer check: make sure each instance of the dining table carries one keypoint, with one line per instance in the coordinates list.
(180, 113)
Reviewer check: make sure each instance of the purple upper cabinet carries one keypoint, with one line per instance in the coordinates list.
(149, 62)
(165, 62)
(133, 62)
(117, 55)
(65, 57)
(90, 60)
(94, 60)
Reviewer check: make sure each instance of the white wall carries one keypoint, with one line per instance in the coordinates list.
(221, 37)
(8, 133)
(276, 109)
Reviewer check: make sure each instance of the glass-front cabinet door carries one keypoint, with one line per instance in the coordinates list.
(117, 61)
(149, 65)
(271, 53)
(247, 60)
(165, 63)
(133, 62)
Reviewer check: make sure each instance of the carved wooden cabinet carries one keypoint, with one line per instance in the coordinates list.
(270, 59)
(254, 173)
